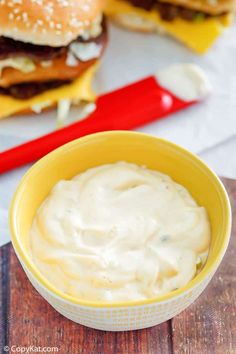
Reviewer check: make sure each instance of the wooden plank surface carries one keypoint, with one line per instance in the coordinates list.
(4, 294)
(206, 327)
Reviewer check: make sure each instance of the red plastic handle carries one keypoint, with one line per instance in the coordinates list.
(123, 109)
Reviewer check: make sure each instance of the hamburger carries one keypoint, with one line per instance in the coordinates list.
(49, 50)
(196, 23)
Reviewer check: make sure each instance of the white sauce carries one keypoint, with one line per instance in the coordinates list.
(38, 107)
(119, 232)
(20, 63)
(85, 51)
(71, 60)
(186, 81)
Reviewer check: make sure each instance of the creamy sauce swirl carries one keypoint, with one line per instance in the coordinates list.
(119, 232)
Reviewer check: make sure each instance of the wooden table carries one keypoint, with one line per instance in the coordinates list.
(206, 327)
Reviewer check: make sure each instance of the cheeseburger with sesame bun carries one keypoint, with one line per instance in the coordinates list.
(196, 23)
(49, 51)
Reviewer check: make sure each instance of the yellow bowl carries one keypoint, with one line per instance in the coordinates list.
(108, 147)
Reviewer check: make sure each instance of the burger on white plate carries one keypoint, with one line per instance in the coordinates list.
(196, 23)
(49, 51)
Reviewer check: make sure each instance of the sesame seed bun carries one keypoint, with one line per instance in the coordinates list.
(135, 22)
(47, 22)
(56, 69)
(211, 7)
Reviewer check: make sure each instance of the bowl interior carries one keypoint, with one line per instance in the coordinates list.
(97, 149)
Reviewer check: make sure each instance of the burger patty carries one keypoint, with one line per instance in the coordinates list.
(9, 48)
(169, 12)
(26, 90)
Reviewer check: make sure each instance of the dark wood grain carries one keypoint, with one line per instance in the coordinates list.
(4, 294)
(206, 327)
(209, 325)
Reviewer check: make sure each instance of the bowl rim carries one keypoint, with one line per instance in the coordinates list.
(208, 269)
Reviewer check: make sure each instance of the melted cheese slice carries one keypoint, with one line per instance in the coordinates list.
(199, 36)
(80, 89)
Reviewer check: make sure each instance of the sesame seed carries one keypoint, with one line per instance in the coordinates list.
(38, 2)
(48, 8)
(63, 3)
(25, 16)
(74, 22)
(11, 16)
(86, 8)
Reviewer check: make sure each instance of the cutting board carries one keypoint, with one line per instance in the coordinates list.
(206, 327)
